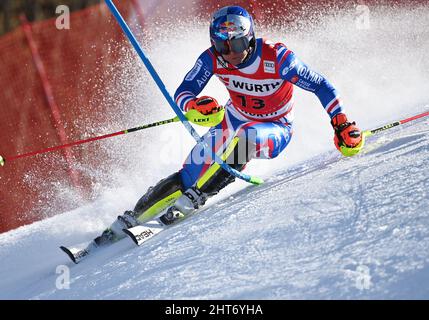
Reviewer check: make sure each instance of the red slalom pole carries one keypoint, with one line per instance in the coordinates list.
(72, 144)
(425, 114)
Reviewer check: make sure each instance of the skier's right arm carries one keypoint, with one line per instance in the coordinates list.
(194, 82)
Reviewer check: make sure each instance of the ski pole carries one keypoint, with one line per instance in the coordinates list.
(146, 126)
(161, 86)
(369, 133)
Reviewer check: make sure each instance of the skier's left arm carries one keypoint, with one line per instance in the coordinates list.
(292, 69)
(300, 74)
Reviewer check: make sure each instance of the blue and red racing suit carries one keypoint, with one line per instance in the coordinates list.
(261, 101)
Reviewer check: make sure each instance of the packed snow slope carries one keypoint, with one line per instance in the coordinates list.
(321, 226)
(327, 228)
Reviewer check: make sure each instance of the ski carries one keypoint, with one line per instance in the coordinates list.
(78, 253)
(142, 233)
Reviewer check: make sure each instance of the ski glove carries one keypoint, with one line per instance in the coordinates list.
(348, 138)
(205, 105)
(205, 111)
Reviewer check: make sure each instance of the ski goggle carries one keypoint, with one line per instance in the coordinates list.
(234, 45)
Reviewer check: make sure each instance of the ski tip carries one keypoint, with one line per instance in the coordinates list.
(68, 252)
(131, 235)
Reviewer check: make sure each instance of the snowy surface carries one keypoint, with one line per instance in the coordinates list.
(320, 227)
(327, 228)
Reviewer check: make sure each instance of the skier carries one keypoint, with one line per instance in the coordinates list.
(256, 122)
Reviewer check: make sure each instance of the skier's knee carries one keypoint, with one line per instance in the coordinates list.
(244, 151)
(264, 144)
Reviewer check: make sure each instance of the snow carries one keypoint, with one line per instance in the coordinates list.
(321, 227)
(328, 228)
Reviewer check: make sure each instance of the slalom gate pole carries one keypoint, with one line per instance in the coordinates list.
(158, 81)
(71, 144)
(369, 133)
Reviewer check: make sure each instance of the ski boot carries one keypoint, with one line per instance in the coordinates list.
(188, 203)
(115, 231)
